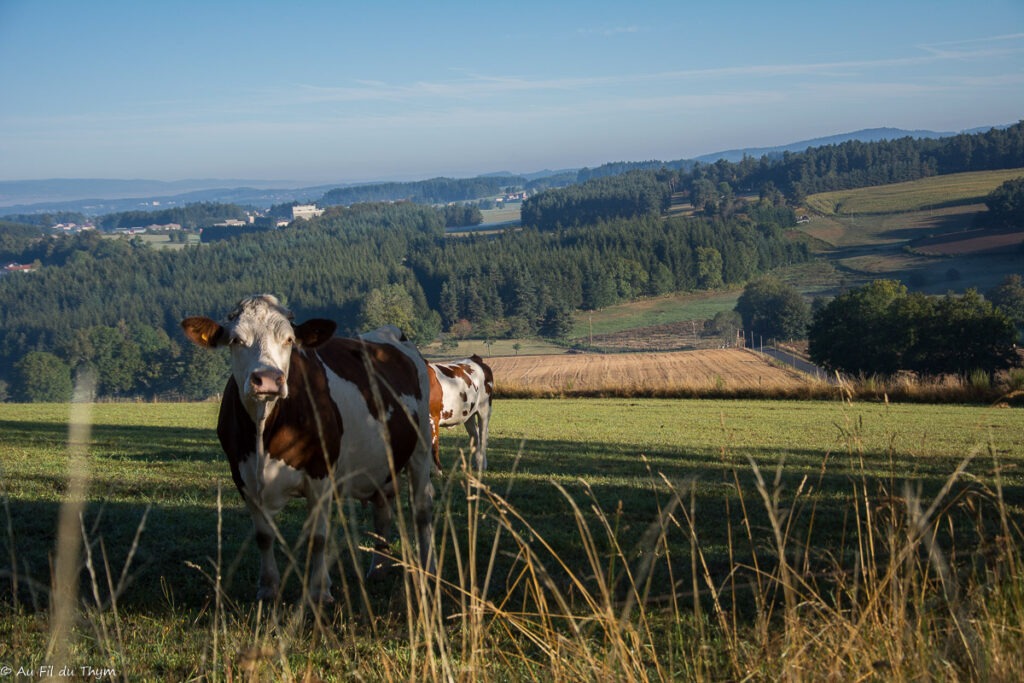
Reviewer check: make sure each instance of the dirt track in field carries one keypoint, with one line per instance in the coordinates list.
(713, 369)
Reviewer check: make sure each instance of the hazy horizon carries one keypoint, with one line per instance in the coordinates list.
(315, 93)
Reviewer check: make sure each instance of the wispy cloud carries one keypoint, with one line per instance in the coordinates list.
(608, 32)
(476, 86)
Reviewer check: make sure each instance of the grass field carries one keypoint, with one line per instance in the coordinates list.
(925, 233)
(506, 214)
(660, 310)
(159, 241)
(577, 555)
(927, 193)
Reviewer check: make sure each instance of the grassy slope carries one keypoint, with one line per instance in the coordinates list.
(861, 234)
(654, 311)
(918, 195)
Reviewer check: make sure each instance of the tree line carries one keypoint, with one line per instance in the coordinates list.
(190, 216)
(881, 328)
(628, 195)
(432, 191)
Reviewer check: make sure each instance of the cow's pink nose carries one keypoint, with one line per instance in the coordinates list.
(267, 381)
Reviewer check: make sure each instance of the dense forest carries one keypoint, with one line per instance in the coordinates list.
(433, 191)
(105, 301)
(113, 305)
(636, 193)
(190, 216)
(861, 164)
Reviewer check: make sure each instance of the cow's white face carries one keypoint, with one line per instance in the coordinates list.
(261, 337)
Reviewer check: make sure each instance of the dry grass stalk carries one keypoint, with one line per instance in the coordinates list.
(64, 586)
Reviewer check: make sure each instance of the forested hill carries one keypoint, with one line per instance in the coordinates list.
(433, 191)
(115, 304)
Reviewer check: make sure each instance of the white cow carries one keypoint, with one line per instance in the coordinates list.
(304, 413)
(461, 393)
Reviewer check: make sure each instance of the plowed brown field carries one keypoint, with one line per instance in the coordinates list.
(716, 371)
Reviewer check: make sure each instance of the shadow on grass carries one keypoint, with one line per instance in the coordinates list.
(933, 226)
(608, 483)
(142, 442)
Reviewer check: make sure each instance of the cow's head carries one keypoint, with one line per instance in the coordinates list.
(261, 337)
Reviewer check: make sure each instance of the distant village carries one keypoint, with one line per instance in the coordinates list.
(303, 211)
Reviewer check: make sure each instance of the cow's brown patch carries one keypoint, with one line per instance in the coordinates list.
(303, 430)
(383, 374)
(456, 371)
(435, 417)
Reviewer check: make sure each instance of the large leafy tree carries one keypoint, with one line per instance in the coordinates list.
(880, 328)
(855, 332)
(388, 305)
(1008, 296)
(1006, 204)
(773, 309)
(43, 378)
(203, 372)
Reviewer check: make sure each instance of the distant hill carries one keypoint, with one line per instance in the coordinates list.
(72, 189)
(97, 197)
(865, 135)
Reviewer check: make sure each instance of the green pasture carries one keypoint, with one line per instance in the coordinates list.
(614, 466)
(660, 310)
(927, 193)
(505, 214)
(810, 278)
(869, 233)
(157, 241)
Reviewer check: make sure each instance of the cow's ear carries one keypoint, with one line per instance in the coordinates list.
(202, 331)
(315, 332)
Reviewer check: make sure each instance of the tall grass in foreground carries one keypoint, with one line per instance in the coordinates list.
(897, 599)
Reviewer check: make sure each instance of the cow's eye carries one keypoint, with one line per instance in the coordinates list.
(289, 341)
(235, 341)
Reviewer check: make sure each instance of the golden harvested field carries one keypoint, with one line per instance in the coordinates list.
(713, 371)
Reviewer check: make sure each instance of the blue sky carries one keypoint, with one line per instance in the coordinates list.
(345, 91)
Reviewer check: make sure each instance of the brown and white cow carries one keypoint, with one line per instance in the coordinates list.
(460, 393)
(308, 414)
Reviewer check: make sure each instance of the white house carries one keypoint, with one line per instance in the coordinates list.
(305, 211)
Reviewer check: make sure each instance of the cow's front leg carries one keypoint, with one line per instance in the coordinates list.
(383, 516)
(270, 576)
(476, 427)
(318, 502)
(483, 428)
(421, 500)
